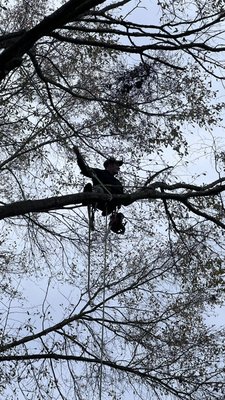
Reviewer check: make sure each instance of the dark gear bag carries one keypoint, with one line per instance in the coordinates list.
(116, 223)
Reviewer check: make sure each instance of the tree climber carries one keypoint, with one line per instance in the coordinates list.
(104, 181)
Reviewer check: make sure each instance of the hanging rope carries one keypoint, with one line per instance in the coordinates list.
(103, 294)
(89, 253)
(103, 307)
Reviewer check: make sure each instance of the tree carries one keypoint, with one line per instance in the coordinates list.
(104, 314)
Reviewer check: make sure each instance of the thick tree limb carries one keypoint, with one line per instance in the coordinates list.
(19, 43)
(10, 38)
(59, 202)
(70, 11)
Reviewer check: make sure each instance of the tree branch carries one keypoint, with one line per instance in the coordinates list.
(70, 11)
(59, 202)
(126, 368)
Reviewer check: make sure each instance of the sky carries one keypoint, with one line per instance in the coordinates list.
(199, 165)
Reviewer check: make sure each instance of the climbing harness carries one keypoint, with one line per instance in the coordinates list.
(116, 223)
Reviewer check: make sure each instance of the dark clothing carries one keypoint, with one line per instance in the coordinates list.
(109, 181)
(102, 178)
(99, 176)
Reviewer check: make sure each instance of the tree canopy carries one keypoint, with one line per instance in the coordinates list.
(97, 314)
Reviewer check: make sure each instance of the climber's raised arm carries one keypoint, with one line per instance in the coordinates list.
(85, 169)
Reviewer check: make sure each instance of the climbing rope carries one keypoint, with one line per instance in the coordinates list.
(103, 307)
(89, 254)
(103, 294)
